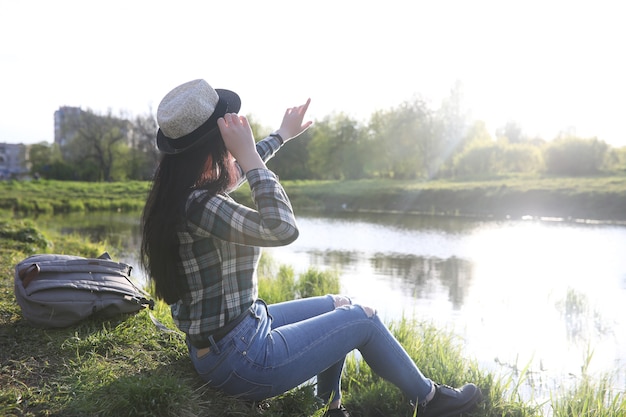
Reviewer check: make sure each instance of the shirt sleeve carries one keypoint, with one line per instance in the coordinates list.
(266, 148)
(271, 224)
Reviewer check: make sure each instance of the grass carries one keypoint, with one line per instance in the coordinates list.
(50, 196)
(126, 366)
(596, 198)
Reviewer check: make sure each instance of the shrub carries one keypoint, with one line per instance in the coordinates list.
(314, 282)
(575, 156)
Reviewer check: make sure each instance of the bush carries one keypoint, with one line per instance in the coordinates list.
(575, 156)
(314, 282)
(477, 159)
(278, 288)
(519, 157)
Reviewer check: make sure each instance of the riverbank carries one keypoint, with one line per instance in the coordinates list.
(127, 367)
(601, 198)
(572, 199)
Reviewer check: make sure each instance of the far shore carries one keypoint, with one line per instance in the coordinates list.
(589, 199)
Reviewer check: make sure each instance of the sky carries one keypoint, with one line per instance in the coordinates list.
(549, 66)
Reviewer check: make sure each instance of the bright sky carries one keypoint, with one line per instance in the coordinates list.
(549, 65)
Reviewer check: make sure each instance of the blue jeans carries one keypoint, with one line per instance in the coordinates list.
(281, 346)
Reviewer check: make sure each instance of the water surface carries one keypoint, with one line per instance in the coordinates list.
(549, 295)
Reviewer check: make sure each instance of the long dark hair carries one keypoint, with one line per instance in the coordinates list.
(206, 166)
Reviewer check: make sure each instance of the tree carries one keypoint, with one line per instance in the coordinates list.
(144, 155)
(292, 160)
(617, 159)
(410, 140)
(568, 155)
(47, 162)
(40, 157)
(99, 141)
(477, 133)
(335, 148)
(478, 158)
(453, 120)
(512, 132)
(379, 161)
(518, 157)
(258, 130)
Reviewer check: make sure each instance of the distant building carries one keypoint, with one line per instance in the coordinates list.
(66, 122)
(13, 160)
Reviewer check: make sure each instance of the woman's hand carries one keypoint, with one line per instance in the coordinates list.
(292, 124)
(239, 141)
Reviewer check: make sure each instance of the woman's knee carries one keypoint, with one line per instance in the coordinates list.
(369, 311)
(342, 300)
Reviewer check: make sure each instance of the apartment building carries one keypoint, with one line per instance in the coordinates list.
(66, 121)
(13, 160)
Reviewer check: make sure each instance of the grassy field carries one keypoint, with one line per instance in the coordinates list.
(128, 367)
(597, 198)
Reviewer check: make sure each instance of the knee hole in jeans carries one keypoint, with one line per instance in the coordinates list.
(341, 300)
(369, 311)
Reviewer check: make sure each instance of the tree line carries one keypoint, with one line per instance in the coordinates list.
(411, 141)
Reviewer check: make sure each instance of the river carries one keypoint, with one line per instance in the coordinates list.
(546, 295)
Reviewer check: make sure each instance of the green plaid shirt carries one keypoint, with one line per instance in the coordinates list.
(219, 249)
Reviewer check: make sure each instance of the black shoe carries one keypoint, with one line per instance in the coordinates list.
(337, 412)
(450, 402)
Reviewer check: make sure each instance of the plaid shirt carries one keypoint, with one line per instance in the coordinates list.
(219, 249)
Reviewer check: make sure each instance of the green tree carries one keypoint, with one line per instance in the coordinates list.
(617, 159)
(378, 159)
(292, 162)
(40, 157)
(518, 157)
(258, 130)
(512, 132)
(99, 141)
(453, 120)
(47, 162)
(335, 148)
(486, 157)
(143, 156)
(479, 158)
(479, 151)
(409, 138)
(477, 133)
(569, 155)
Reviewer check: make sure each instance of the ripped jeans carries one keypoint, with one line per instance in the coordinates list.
(281, 346)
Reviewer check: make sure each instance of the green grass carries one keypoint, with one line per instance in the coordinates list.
(126, 366)
(597, 198)
(50, 196)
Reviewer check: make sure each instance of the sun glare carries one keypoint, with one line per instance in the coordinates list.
(528, 281)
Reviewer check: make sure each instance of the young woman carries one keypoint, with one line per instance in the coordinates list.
(201, 248)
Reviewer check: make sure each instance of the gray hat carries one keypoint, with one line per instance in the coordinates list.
(188, 114)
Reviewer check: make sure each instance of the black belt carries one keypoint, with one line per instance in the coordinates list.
(223, 331)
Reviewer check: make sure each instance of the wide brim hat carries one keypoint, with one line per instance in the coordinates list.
(188, 115)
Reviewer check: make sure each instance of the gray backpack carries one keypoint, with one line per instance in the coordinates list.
(61, 290)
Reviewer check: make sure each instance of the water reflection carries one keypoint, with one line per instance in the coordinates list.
(118, 230)
(419, 274)
(404, 221)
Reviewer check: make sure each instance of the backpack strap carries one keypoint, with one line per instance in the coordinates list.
(162, 327)
(29, 274)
